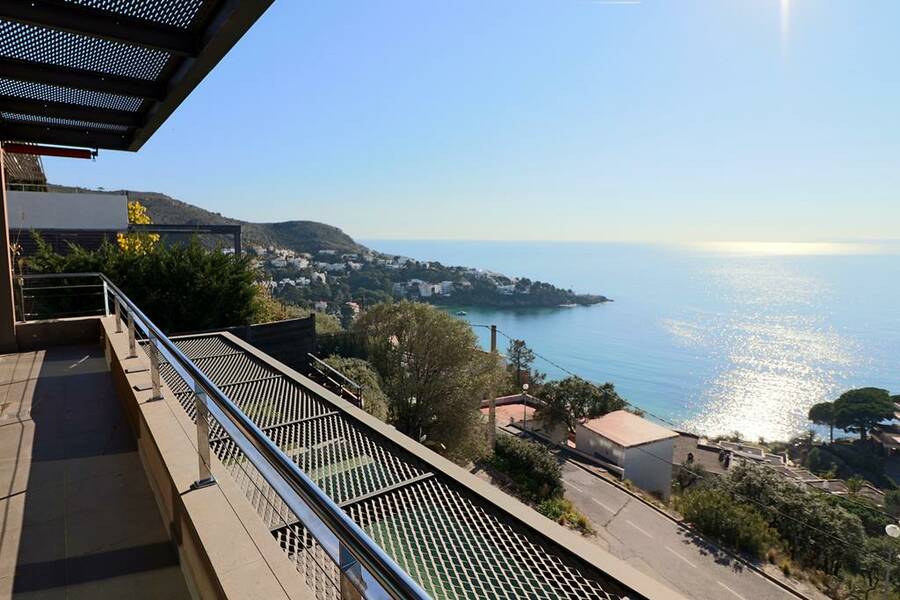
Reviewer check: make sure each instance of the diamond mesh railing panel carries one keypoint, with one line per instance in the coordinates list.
(452, 545)
(456, 549)
(320, 574)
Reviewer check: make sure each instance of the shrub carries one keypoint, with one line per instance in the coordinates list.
(531, 466)
(360, 371)
(715, 513)
(181, 288)
(564, 512)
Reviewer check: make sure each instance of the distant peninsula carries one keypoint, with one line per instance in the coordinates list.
(319, 266)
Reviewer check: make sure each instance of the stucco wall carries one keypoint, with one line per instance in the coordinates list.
(594, 444)
(58, 210)
(649, 467)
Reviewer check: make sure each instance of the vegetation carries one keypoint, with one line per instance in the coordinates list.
(434, 375)
(713, 511)
(531, 466)
(564, 512)
(856, 410)
(137, 242)
(569, 400)
(838, 541)
(181, 288)
(375, 402)
(519, 360)
(823, 414)
(269, 309)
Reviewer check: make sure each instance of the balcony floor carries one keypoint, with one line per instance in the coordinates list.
(77, 516)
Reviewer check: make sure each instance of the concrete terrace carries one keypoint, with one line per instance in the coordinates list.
(78, 518)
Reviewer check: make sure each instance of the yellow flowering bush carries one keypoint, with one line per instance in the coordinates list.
(137, 243)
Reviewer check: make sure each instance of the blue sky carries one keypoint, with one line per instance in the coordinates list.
(662, 120)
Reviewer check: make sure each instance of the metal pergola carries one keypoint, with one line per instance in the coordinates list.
(107, 73)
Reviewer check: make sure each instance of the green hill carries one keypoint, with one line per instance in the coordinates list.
(299, 236)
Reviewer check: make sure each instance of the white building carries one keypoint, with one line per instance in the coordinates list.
(507, 289)
(320, 277)
(278, 263)
(299, 263)
(447, 287)
(354, 266)
(321, 306)
(642, 449)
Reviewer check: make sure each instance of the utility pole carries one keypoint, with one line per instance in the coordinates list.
(492, 413)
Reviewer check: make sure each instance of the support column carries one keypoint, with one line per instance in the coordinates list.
(7, 304)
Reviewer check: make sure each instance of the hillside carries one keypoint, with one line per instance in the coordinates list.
(300, 236)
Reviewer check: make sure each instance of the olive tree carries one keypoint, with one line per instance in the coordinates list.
(434, 375)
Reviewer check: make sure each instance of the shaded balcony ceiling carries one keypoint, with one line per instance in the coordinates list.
(108, 73)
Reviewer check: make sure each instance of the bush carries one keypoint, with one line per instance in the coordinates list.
(715, 513)
(531, 466)
(360, 371)
(564, 512)
(181, 288)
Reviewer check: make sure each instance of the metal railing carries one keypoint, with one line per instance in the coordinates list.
(333, 379)
(362, 563)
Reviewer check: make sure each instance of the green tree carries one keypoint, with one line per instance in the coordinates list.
(823, 414)
(861, 409)
(434, 375)
(520, 358)
(569, 400)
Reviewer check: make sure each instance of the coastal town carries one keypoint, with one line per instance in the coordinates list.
(328, 279)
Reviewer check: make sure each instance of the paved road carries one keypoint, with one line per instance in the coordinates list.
(652, 543)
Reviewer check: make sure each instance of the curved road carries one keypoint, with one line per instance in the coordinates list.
(654, 544)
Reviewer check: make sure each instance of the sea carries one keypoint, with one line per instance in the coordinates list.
(712, 338)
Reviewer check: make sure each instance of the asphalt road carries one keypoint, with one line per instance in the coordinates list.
(652, 543)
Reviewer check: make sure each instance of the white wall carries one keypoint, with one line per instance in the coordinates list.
(58, 210)
(649, 467)
(593, 444)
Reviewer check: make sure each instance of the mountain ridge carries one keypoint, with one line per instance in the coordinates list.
(296, 235)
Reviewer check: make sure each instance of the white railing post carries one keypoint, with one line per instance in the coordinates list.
(105, 299)
(132, 342)
(118, 314)
(154, 367)
(205, 478)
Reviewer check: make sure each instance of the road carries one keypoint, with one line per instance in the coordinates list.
(652, 543)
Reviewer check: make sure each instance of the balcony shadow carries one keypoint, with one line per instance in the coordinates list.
(77, 506)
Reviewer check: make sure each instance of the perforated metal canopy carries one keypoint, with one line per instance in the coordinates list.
(108, 73)
(450, 538)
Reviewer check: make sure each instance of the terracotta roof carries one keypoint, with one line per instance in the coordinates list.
(627, 429)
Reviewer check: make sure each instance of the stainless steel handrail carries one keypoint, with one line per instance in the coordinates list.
(361, 560)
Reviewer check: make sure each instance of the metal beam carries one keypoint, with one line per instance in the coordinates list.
(77, 78)
(63, 136)
(48, 151)
(62, 110)
(102, 24)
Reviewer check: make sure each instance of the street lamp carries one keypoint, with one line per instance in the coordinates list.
(893, 531)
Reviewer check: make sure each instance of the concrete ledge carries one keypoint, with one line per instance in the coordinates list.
(38, 335)
(224, 548)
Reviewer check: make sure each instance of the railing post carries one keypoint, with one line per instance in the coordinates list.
(105, 299)
(350, 572)
(206, 477)
(154, 367)
(132, 343)
(118, 315)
